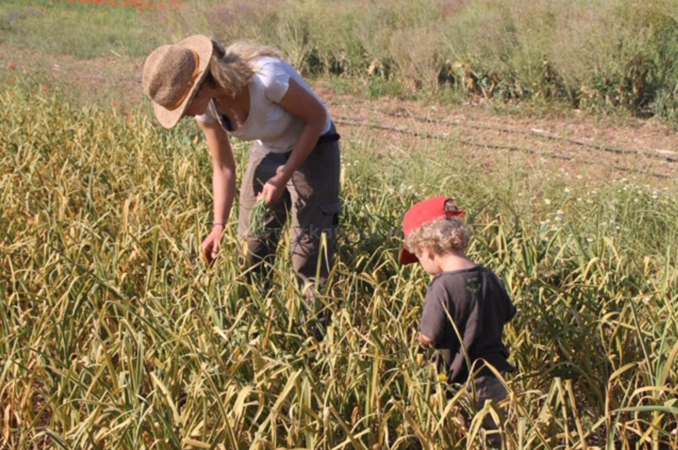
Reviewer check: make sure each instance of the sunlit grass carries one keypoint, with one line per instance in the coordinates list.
(113, 334)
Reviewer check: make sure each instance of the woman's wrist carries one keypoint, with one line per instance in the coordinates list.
(218, 224)
(280, 179)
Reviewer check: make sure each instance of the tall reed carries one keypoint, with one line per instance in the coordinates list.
(114, 335)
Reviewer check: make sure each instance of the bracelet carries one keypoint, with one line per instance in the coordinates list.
(217, 223)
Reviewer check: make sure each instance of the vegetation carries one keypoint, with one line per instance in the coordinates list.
(114, 334)
(258, 217)
(82, 29)
(605, 55)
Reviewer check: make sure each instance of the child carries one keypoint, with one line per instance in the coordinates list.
(465, 292)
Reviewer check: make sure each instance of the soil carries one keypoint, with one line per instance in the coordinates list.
(594, 146)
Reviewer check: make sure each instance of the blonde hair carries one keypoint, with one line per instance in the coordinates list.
(442, 236)
(230, 66)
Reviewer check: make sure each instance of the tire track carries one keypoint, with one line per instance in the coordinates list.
(473, 135)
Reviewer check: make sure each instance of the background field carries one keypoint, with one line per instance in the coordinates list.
(114, 335)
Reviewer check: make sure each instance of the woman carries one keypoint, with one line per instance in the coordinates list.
(248, 91)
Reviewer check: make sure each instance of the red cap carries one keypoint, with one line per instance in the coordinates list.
(425, 212)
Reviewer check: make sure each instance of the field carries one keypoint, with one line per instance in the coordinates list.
(114, 334)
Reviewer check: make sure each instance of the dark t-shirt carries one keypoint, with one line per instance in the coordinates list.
(479, 306)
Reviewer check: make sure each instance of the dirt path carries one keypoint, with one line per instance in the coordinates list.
(585, 144)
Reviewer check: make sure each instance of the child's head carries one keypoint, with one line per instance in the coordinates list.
(434, 225)
(441, 236)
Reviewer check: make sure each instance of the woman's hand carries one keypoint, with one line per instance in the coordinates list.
(212, 244)
(425, 341)
(272, 191)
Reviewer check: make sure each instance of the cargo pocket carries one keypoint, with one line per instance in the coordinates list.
(330, 212)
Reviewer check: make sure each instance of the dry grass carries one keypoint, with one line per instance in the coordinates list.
(113, 335)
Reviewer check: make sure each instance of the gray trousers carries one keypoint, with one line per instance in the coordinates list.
(311, 201)
(488, 388)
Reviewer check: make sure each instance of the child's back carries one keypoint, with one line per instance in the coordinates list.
(479, 306)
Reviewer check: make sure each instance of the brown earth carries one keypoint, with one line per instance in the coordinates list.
(594, 146)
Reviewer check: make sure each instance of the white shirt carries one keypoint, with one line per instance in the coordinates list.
(267, 122)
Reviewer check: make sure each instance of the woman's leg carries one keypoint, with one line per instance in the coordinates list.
(314, 192)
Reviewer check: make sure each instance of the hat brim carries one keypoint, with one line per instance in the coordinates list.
(203, 47)
(407, 257)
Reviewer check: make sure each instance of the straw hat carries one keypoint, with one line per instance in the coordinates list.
(173, 74)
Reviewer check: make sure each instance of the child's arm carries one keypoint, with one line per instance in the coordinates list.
(509, 309)
(434, 318)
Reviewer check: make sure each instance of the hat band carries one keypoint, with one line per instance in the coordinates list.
(189, 86)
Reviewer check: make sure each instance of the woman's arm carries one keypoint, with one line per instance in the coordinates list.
(300, 103)
(223, 184)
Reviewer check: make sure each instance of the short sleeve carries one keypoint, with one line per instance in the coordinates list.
(275, 79)
(434, 319)
(210, 115)
(510, 311)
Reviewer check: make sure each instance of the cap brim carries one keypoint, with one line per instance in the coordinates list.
(204, 48)
(407, 257)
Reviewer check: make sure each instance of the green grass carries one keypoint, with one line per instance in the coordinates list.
(82, 30)
(607, 56)
(258, 218)
(114, 335)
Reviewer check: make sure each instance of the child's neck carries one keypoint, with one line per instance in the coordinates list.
(454, 261)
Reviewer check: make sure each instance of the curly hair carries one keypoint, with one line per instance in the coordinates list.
(442, 236)
(230, 68)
